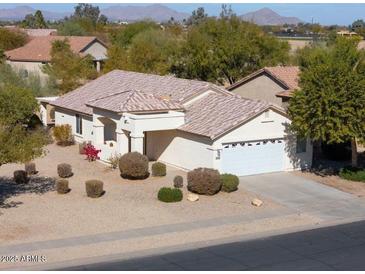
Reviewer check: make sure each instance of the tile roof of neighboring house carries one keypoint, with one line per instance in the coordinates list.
(33, 32)
(117, 81)
(39, 48)
(288, 76)
(134, 101)
(216, 114)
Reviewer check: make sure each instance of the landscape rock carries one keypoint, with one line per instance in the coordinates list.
(256, 202)
(192, 197)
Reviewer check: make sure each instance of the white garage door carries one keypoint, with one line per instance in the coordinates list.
(247, 158)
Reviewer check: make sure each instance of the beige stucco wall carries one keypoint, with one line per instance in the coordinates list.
(271, 127)
(180, 149)
(34, 67)
(262, 88)
(63, 116)
(97, 50)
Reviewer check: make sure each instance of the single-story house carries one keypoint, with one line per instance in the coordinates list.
(33, 32)
(272, 84)
(183, 123)
(37, 52)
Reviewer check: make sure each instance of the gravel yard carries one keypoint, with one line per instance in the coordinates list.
(35, 215)
(44, 214)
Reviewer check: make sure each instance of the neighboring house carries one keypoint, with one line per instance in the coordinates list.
(33, 32)
(37, 52)
(272, 84)
(184, 123)
(46, 111)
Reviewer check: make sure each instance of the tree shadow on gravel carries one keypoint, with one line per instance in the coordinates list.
(9, 189)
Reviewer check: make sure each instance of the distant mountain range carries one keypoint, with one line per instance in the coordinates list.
(155, 12)
(19, 12)
(267, 16)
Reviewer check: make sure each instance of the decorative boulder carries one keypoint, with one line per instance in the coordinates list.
(204, 181)
(192, 197)
(257, 202)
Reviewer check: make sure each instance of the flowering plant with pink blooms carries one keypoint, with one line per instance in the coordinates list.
(91, 152)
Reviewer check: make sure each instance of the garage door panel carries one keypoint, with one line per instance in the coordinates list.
(247, 158)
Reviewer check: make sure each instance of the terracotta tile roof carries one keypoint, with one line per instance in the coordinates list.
(288, 76)
(134, 101)
(39, 48)
(216, 114)
(117, 81)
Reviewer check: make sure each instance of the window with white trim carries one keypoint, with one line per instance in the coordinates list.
(78, 124)
(301, 145)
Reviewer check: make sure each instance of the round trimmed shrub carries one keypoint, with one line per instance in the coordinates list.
(62, 186)
(30, 168)
(178, 181)
(169, 195)
(158, 169)
(229, 182)
(133, 165)
(20, 177)
(205, 181)
(352, 173)
(94, 188)
(64, 170)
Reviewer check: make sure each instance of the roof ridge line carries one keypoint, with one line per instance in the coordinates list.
(109, 95)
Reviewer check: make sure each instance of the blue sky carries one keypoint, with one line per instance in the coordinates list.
(327, 14)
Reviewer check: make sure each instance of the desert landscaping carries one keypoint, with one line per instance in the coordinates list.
(36, 212)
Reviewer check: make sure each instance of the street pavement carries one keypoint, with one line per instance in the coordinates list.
(340, 247)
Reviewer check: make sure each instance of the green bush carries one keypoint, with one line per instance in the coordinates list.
(178, 181)
(20, 177)
(63, 135)
(133, 165)
(158, 169)
(204, 181)
(353, 174)
(30, 168)
(64, 170)
(62, 186)
(94, 188)
(229, 182)
(170, 195)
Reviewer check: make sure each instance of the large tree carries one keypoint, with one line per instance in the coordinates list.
(227, 49)
(35, 21)
(197, 16)
(18, 144)
(330, 104)
(11, 39)
(149, 52)
(70, 69)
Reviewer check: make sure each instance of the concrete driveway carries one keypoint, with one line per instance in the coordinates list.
(306, 196)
